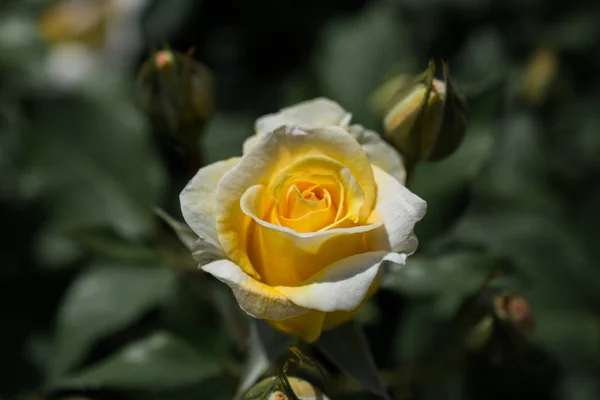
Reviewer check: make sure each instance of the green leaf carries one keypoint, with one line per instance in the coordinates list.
(348, 349)
(191, 313)
(430, 5)
(11, 151)
(577, 31)
(460, 272)
(482, 60)
(517, 173)
(105, 243)
(573, 130)
(442, 183)
(103, 300)
(519, 213)
(356, 53)
(580, 385)
(574, 336)
(158, 362)
(22, 49)
(224, 136)
(448, 386)
(416, 334)
(427, 347)
(92, 160)
(542, 247)
(162, 19)
(55, 250)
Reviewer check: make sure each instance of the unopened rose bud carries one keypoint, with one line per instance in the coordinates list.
(417, 141)
(494, 319)
(271, 389)
(514, 309)
(428, 118)
(177, 93)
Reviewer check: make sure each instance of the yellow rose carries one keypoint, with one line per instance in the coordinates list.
(300, 225)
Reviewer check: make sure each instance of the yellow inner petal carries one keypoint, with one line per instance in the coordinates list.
(307, 203)
(285, 258)
(314, 194)
(287, 149)
(312, 199)
(305, 211)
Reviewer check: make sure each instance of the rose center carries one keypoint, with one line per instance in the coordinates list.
(305, 206)
(313, 194)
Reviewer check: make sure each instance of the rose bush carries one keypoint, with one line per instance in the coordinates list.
(300, 225)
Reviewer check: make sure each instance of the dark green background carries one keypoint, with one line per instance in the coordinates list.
(96, 295)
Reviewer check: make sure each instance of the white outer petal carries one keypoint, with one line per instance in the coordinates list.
(250, 142)
(379, 152)
(205, 252)
(400, 210)
(315, 113)
(343, 285)
(198, 199)
(255, 298)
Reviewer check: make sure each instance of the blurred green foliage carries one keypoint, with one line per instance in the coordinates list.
(99, 300)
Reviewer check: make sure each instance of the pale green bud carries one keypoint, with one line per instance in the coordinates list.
(178, 94)
(271, 389)
(427, 118)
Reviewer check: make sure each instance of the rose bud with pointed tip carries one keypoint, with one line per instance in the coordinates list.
(177, 93)
(416, 137)
(428, 119)
(514, 309)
